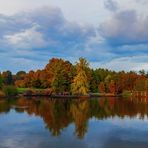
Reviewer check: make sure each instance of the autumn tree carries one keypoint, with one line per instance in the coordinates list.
(59, 75)
(112, 87)
(19, 79)
(101, 87)
(36, 79)
(29, 78)
(80, 83)
(44, 79)
(119, 82)
(141, 84)
(20, 75)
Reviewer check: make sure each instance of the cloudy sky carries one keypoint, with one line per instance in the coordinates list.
(109, 33)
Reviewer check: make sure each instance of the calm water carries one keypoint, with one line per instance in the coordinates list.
(95, 123)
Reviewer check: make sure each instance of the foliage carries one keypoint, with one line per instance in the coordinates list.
(22, 90)
(7, 78)
(141, 84)
(102, 87)
(80, 83)
(112, 87)
(20, 75)
(126, 94)
(29, 92)
(10, 90)
(2, 94)
(61, 76)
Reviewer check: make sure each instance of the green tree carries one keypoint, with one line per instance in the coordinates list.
(142, 72)
(10, 90)
(59, 81)
(20, 75)
(7, 78)
(107, 82)
(94, 81)
(80, 83)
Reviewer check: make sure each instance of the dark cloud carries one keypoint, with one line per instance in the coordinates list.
(125, 28)
(111, 5)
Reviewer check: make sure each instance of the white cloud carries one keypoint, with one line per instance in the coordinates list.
(41, 34)
(83, 11)
(135, 63)
(43, 27)
(27, 39)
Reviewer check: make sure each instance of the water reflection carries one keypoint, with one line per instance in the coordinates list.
(59, 114)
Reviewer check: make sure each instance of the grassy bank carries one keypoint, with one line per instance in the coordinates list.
(34, 92)
(126, 94)
(23, 90)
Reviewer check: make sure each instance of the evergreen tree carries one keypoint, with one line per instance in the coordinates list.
(80, 83)
(7, 78)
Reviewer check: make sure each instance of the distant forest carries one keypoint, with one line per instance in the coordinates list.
(61, 76)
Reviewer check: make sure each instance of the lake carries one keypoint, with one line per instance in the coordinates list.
(64, 123)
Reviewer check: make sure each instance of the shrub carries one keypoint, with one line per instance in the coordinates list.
(126, 93)
(47, 92)
(2, 94)
(10, 90)
(28, 92)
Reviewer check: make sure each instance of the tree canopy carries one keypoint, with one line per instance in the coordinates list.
(61, 76)
(80, 83)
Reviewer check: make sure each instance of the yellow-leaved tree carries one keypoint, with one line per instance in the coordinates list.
(80, 83)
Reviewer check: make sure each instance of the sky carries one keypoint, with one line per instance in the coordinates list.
(110, 34)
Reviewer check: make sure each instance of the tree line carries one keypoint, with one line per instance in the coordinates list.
(61, 76)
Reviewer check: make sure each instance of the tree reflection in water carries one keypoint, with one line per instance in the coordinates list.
(58, 114)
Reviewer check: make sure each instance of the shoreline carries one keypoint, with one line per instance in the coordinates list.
(63, 96)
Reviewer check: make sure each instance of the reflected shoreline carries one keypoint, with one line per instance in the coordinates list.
(58, 114)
